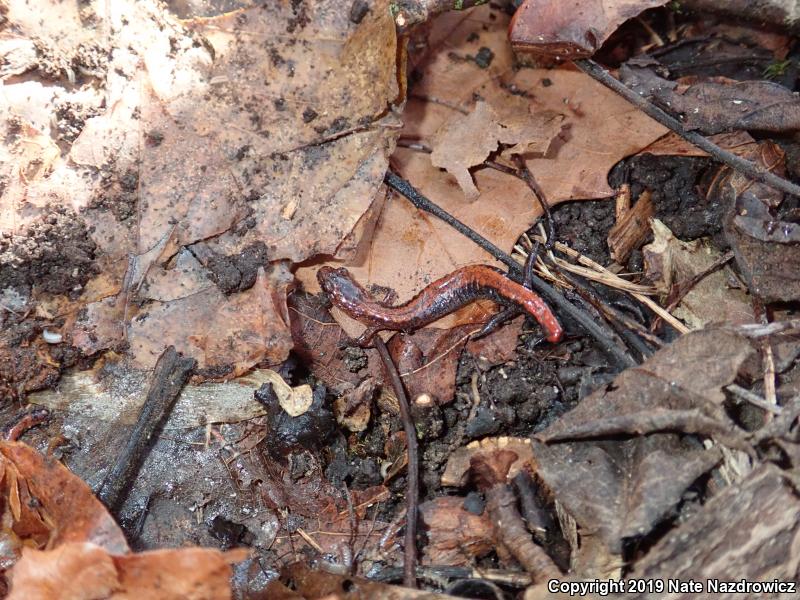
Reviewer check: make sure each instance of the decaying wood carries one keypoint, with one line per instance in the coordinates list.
(171, 373)
(750, 531)
(490, 472)
(631, 228)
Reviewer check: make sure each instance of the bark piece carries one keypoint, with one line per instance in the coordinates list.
(750, 531)
(631, 228)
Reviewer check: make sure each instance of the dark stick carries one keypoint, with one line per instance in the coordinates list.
(598, 331)
(171, 373)
(524, 173)
(585, 292)
(751, 169)
(412, 484)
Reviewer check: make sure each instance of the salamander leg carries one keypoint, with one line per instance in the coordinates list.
(496, 321)
(365, 339)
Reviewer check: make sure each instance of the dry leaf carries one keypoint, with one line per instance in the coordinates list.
(72, 571)
(719, 105)
(455, 535)
(677, 389)
(206, 131)
(671, 263)
(54, 506)
(408, 248)
(621, 489)
(571, 28)
(458, 463)
(82, 570)
(463, 142)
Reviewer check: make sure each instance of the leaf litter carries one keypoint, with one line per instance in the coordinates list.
(211, 254)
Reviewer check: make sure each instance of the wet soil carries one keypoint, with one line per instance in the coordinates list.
(222, 494)
(229, 492)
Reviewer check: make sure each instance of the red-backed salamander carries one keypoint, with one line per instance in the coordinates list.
(440, 298)
(24, 421)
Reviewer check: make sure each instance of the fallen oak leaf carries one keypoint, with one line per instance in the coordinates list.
(621, 489)
(679, 389)
(571, 28)
(50, 505)
(464, 142)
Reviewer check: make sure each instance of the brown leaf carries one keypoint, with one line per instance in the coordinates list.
(181, 573)
(72, 571)
(455, 535)
(458, 463)
(251, 322)
(571, 28)
(82, 570)
(619, 490)
(410, 249)
(54, 506)
(738, 142)
(677, 389)
(749, 531)
(464, 142)
(221, 130)
(672, 264)
(750, 105)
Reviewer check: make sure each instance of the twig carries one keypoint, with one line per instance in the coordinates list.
(596, 272)
(412, 481)
(757, 330)
(753, 399)
(598, 331)
(524, 173)
(490, 473)
(617, 320)
(171, 373)
(748, 168)
(516, 579)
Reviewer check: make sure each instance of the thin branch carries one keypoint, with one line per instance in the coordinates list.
(524, 173)
(746, 167)
(170, 374)
(412, 481)
(598, 331)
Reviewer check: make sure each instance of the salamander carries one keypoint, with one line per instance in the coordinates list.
(440, 298)
(24, 421)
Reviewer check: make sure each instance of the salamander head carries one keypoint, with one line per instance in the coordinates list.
(340, 286)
